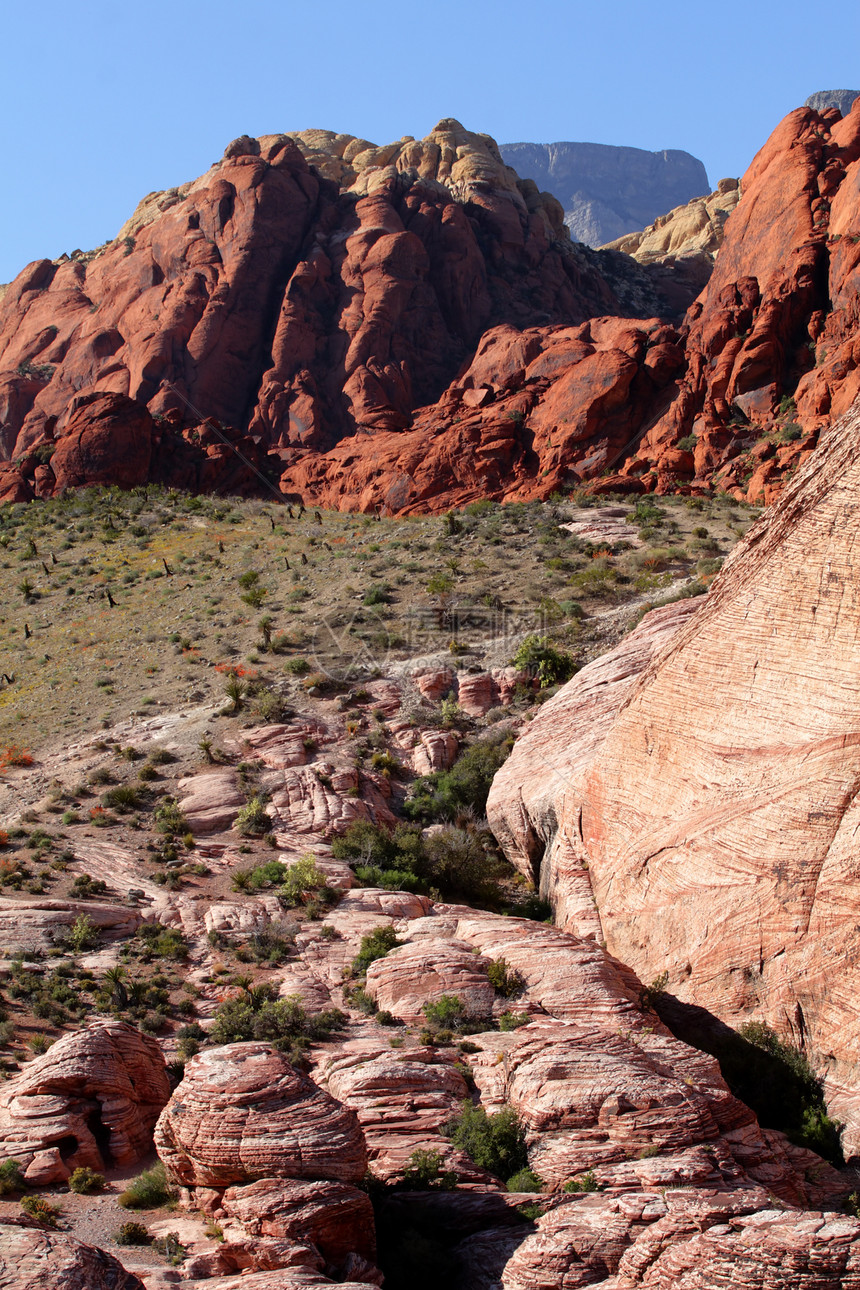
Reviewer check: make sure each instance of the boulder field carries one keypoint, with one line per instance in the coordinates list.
(410, 328)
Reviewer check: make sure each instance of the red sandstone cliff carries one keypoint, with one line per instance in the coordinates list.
(409, 327)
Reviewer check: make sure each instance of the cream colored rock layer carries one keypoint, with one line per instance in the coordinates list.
(715, 812)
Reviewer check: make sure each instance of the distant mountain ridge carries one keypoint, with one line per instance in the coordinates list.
(824, 99)
(607, 191)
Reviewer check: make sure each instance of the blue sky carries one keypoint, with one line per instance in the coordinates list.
(102, 103)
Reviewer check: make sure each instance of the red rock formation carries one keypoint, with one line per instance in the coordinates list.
(98, 1090)
(313, 316)
(243, 1112)
(708, 804)
(34, 1260)
(337, 1219)
(268, 304)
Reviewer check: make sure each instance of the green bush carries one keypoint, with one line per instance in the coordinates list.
(85, 1180)
(525, 1180)
(11, 1178)
(163, 942)
(303, 881)
(495, 1142)
(253, 819)
(82, 935)
(444, 794)
(505, 981)
(584, 1183)
(149, 1190)
(270, 874)
(284, 1023)
(424, 1172)
(378, 943)
(132, 1234)
(169, 819)
(513, 1020)
(537, 656)
(41, 1210)
(122, 797)
(445, 1013)
(796, 1093)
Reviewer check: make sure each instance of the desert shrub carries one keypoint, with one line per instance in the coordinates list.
(85, 886)
(297, 666)
(163, 942)
(132, 1234)
(304, 882)
(445, 1013)
(444, 794)
(513, 1020)
(505, 981)
(771, 1076)
(381, 941)
(495, 1142)
(122, 797)
(525, 1180)
(169, 818)
(584, 1183)
(253, 819)
(170, 1247)
(541, 659)
(379, 594)
(82, 935)
(272, 944)
(425, 1172)
(456, 862)
(149, 1190)
(11, 1178)
(44, 1213)
(85, 1180)
(259, 1014)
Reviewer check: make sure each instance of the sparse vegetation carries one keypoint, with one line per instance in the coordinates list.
(149, 1190)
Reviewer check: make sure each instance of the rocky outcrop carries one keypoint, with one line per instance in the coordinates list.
(337, 1219)
(210, 800)
(733, 399)
(243, 1112)
(679, 248)
(35, 1260)
(408, 328)
(694, 1240)
(94, 1096)
(607, 191)
(42, 924)
(709, 809)
(279, 303)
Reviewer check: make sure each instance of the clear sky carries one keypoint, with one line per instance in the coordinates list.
(104, 102)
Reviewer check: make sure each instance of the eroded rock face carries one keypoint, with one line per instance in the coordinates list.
(289, 302)
(36, 1260)
(337, 1219)
(243, 1111)
(714, 804)
(94, 1096)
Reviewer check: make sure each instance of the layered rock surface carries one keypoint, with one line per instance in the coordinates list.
(92, 1099)
(706, 794)
(243, 1112)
